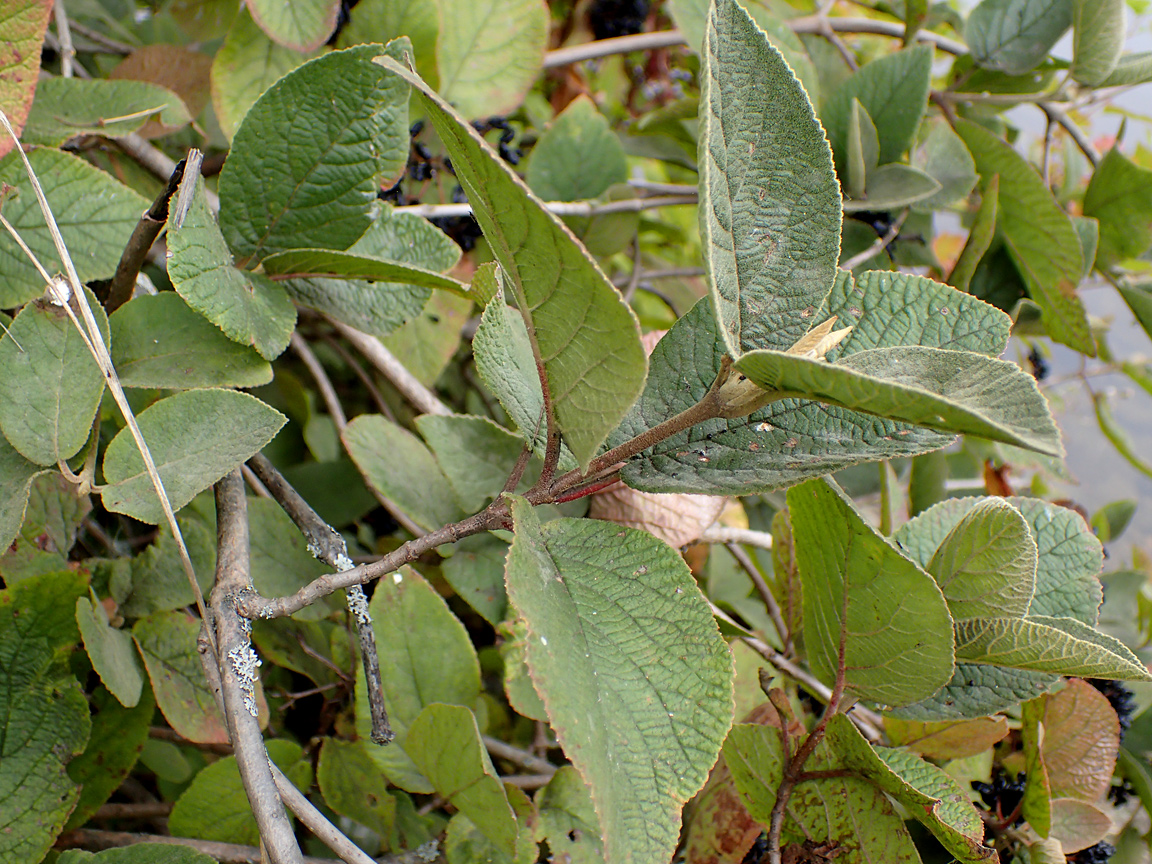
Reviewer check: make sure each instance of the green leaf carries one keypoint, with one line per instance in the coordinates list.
(943, 157)
(503, 353)
(1062, 646)
(1014, 36)
(67, 107)
(444, 742)
(302, 25)
(111, 651)
(848, 812)
(1119, 195)
(405, 609)
(138, 853)
(977, 690)
(16, 475)
(928, 793)
(792, 439)
(51, 387)
(586, 338)
(385, 20)
(215, 806)
(1111, 520)
(250, 309)
(185, 433)
(1118, 436)
(754, 755)
(1036, 805)
(894, 186)
(281, 563)
(158, 341)
(284, 189)
(397, 463)
(43, 713)
(894, 91)
(118, 736)
(430, 340)
(771, 236)
(979, 236)
(323, 264)
(1130, 69)
(23, 29)
(951, 391)
(167, 642)
(378, 308)
(986, 566)
(489, 54)
(246, 65)
(353, 786)
(897, 640)
(1088, 232)
(475, 454)
(1069, 557)
(518, 687)
(639, 709)
(96, 215)
(1097, 39)
(578, 157)
(1038, 233)
(158, 579)
(863, 149)
(568, 818)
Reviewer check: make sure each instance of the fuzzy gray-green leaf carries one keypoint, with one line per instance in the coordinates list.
(1013, 36)
(770, 204)
(626, 656)
(583, 334)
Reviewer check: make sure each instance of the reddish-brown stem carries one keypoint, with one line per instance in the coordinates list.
(794, 768)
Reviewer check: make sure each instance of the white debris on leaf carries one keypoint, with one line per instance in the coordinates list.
(245, 662)
(59, 291)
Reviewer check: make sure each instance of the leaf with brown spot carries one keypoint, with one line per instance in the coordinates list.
(21, 35)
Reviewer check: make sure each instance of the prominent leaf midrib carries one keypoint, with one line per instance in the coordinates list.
(446, 86)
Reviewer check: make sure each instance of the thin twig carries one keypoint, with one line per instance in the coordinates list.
(238, 673)
(562, 208)
(608, 47)
(519, 757)
(328, 545)
(67, 52)
(668, 273)
(157, 162)
(144, 235)
(323, 382)
(336, 412)
(749, 566)
(725, 534)
(423, 399)
(868, 722)
(1046, 157)
(878, 246)
(317, 822)
(226, 853)
(109, 46)
(146, 810)
(634, 277)
(793, 770)
(526, 781)
(361, 373)
(254, 482)
(1053, 112)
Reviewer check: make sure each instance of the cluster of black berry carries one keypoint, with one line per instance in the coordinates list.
(609, 18)
(1097, 854)
(1119, 697)
(1002, 796)
(1038, 363)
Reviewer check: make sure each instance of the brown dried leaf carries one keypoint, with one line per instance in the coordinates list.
(1081, 740)
(677, 519)
(1077, 824)
(945, 740)
(186, 73)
